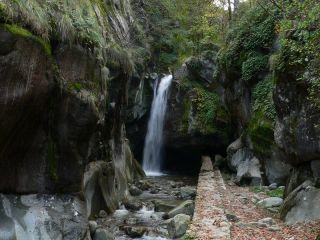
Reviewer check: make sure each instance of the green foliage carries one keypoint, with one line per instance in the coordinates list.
(206, 104)
(261, 127)
(248, 43)
(188, 237)
(271, 193)
(263, 100)
(19, 31)
(183, 28)
(77, 86)
(253, 66)
(300, 49)
(68, 21)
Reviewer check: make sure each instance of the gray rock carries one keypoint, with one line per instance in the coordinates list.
(315, 168)
(131, 221)
(99, 188)
(241, 160)
(102, 234)
(186, 207)
(270, 202)
(274, 228)
(302, 205)
(144, 185)
(134, 232)
(162, 205)
(188, 192)
(178, 225)
(273, 209)
(269, 221)
(103, 214)
(134, 191)
(133, 204)
(93, 225)
(154, 190)
(41, 216)
(273, 186)
(235, 146)
(276, 169)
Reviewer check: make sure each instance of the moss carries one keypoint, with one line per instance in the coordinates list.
(261, 127)
(188, 236)
(22, 32)
(206, 105)
(261, 132)
(271, 193)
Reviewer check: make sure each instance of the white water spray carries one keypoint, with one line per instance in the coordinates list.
(154, 138)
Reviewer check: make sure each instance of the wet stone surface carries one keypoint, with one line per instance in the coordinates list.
(159, 195)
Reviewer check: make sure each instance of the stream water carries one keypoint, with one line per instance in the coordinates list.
(161, 193)
(154, 138)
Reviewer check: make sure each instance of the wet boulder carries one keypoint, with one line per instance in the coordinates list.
(134, 231)
(99, 189)
(187, 207)
(26, 217)
(163, 205)
(188, 192)
(178, 225)
(133, 204)
(102, 234)
(134, 191)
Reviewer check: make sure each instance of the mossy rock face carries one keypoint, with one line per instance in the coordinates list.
(24, 33)
(262, 123)
(196, 116)
(261, 132)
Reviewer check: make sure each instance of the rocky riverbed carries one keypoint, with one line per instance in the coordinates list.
(159, 208)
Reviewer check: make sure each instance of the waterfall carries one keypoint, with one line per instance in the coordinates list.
(154, 138)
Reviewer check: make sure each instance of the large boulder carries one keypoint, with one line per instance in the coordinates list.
(99, 188)
(203, 67)
(241, 160)
(178, 225)
(197, 120)
(51, 217)
(302, 204)
(48, 118)
(276, 169)
(187, 208)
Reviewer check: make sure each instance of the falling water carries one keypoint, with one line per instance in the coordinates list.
(153, 142)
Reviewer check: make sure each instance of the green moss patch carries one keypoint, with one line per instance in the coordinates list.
(271, 193)
(22, 32)
(261, 127)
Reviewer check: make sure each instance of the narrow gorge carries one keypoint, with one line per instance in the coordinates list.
(159, 119)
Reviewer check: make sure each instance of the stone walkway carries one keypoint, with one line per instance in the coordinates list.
(215, 200)
(209, 220)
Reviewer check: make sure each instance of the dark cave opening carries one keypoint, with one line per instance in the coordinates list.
(184, 160)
